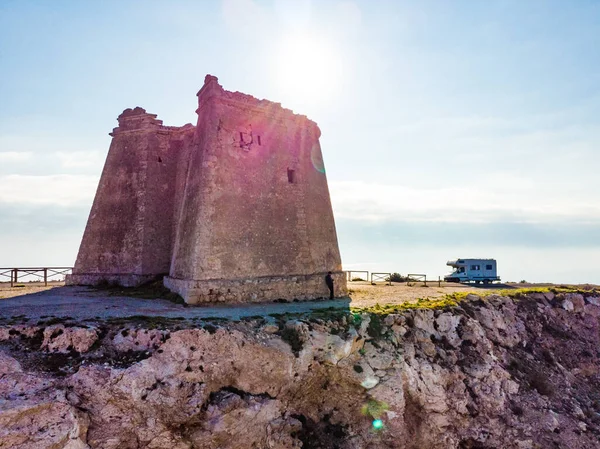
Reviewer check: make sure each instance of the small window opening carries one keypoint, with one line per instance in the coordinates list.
(488, 267)
(159, 159)
(241, 139)
(258, 139)
(291, 176)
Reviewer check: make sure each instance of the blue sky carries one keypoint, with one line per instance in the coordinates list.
(449, 129)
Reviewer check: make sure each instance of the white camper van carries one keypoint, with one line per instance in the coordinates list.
(469, 270)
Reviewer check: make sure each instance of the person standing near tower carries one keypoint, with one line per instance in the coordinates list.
(329, 282)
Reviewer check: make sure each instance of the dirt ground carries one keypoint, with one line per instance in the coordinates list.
(6, 291)
(57, 300)
(362, 293)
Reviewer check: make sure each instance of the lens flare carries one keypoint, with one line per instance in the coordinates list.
(316, 158)
(308, 68)
(369, 382)
(377, 424)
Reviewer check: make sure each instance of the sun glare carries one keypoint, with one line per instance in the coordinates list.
(308, 69)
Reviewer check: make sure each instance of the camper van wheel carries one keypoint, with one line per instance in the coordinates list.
(478, 282)
(486, 281)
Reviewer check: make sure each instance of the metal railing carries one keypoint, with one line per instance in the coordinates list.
(43, 274)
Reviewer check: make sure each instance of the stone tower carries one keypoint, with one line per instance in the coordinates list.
(236, 209)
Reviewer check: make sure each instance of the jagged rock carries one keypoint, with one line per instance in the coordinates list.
(270, 328)
(594, 300)
(299, 328)
(577, 301)
(568, 305)
(330, 349)
(43, 424)
(446, 325)
(17, 331)
(378, 360)
(592, 310)
(9, 365)
(59, 338)
(365, 320)
(35, 413)
(137, 339)
(265, 424)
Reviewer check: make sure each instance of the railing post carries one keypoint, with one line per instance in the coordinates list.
(45, 277)
(439, 281)
(16, 271)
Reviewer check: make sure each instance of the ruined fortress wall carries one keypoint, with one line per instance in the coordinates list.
(235, 209)
(163, 154)
(191, 226)
(129, 235)
(257, 221)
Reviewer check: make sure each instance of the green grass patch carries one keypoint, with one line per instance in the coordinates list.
(386, 309)
(520, 292)
(454, 299)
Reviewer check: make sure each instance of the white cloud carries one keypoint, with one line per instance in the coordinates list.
(499, 200)
(60, 190)
(15, 156)
(81, 159)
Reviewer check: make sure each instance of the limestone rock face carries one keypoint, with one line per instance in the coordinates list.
(63, 339)
(489, 373)
(135, 339)
(36, 413)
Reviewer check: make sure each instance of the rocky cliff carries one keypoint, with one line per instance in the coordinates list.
(518, 371)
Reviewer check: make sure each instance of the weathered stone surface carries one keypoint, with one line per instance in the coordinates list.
(492, 373)
(567, 304)
(577, 301)
(17, 331)
(235, 209)
(594, 300)
(8, 365)
(59, 338)
(43, 425)
(34, 413)
(138, 339)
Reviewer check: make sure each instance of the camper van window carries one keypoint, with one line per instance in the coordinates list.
(488, 267)
(461, 261)
(461, 270)
(475, 267)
